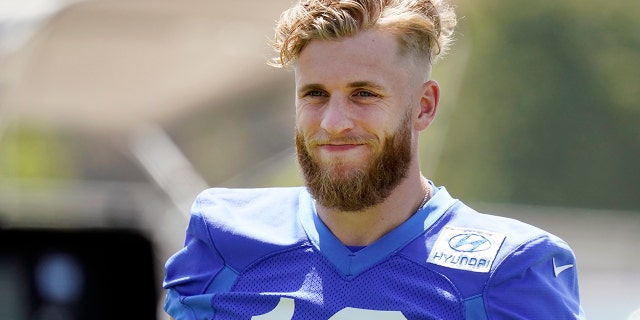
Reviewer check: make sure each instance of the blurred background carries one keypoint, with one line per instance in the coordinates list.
(114, 114)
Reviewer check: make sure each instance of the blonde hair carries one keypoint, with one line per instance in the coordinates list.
(423, 27)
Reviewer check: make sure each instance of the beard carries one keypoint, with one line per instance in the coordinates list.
(364, 187)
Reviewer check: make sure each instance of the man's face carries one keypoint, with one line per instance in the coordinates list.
(337, 185)
(355, 108)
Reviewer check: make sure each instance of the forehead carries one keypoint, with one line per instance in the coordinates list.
(371, 53)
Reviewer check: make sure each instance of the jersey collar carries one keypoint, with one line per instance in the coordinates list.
(349, 263)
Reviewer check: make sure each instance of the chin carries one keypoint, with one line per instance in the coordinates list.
(345, 168)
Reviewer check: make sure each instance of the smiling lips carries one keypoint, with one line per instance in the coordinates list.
(341, 144)
(340, 147)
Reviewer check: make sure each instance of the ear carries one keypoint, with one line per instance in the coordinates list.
(428, 104)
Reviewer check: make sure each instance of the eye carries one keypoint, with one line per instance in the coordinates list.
(315, 93)
(365, 94)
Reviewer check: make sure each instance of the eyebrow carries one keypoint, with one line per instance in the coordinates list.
(366, 84)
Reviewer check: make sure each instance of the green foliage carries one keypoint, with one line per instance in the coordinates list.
(547, 112)
(32, 152)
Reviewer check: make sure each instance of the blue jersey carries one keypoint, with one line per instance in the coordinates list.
(265, 254)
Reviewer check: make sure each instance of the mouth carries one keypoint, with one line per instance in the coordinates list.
(341, 145)
(337, 147)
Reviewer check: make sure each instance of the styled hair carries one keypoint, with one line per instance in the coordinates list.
(423, 27)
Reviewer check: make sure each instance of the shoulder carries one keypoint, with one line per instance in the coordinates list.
(457, 218)
(247, 197)
(247, 211)
(246, 201)
(252, 221)
(467, 240)
(523, 243)
(523, 261)
(539, 268)
(515, 233)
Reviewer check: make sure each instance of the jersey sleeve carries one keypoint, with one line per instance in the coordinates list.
(538, 280)
(190, 272)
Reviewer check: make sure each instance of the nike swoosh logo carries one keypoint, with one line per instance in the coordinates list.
(558, 269)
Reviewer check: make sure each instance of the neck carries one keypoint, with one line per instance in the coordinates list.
(364, 227)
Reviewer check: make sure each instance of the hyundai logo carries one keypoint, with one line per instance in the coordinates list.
(469, 242)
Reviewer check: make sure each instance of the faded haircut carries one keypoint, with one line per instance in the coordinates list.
(424, 28)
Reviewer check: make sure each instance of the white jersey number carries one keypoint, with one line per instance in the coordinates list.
(286, 307)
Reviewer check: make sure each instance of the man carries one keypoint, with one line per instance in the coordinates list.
(369, 237)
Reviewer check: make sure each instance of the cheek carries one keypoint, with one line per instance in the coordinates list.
(307, 121)
(381, 128)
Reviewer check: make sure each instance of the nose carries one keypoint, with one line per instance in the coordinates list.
(336, 117)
